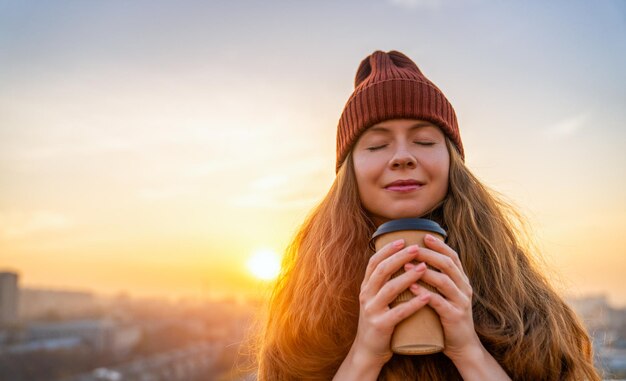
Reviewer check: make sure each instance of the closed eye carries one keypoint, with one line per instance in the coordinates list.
(375, 148)
(424, 143)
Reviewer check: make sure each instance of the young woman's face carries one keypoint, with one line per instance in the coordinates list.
(401, 168)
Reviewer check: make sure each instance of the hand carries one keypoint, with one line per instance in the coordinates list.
(454, 304)
(376, 319)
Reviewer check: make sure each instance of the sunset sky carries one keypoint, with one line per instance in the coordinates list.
(153, 146)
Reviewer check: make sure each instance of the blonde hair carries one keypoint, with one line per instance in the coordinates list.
(314, 309)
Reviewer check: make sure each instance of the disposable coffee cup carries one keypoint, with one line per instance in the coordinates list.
(420, 333)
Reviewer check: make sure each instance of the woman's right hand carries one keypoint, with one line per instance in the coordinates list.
(376, 319)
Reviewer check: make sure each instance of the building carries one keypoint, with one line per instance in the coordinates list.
(98, 334)
(44, 304)
(8, 298)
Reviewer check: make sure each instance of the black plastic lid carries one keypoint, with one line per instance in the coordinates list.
(409, 224)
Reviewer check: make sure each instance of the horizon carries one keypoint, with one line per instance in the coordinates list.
(259, 294)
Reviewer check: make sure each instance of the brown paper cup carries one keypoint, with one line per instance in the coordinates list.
(420, 333)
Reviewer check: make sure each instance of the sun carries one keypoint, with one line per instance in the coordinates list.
(264, 264)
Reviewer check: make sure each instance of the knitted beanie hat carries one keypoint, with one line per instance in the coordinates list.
(390, 86)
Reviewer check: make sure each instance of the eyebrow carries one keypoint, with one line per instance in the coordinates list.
(413, 127)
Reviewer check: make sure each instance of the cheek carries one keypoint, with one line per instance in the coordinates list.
(439, 168)
(444, 176)
(359, 174)
(364, 184)
(363, 170)
(365, 175)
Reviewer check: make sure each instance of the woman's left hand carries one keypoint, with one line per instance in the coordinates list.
(454, 304)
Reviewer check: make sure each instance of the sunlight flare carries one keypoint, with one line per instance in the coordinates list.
(264, 264)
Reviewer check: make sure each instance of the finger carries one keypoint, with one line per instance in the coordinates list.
(444, 264)
(385, 252)
(441, 247)
(406, 309)
(386, 268)
(444, 308)
(397, 285)
(444, 285)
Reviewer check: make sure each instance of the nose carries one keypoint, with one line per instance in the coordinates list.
(402, 158)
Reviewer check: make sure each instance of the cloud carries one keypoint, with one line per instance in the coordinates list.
(268, 202)
(414, 4)
(163, 193)
(270, 182)
(18, 225)
(53, 150)
(294, 185)
(567, 127)
(433, 4)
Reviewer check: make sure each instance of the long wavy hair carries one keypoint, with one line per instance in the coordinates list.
(314, 309)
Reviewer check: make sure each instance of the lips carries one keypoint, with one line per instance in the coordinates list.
(404, 185)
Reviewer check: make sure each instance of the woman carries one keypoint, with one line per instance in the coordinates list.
(399, 154)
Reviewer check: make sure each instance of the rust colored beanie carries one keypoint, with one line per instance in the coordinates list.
(390, 86)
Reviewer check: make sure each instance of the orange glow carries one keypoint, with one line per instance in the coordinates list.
(264, 264)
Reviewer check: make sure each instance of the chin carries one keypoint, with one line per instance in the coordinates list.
(404, 213)
(407, 213)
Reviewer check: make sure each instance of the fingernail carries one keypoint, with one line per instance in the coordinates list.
(420, 267)
(429, 237)
(415, 287)
(398, 243)
(408, 266)
(413, 249)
